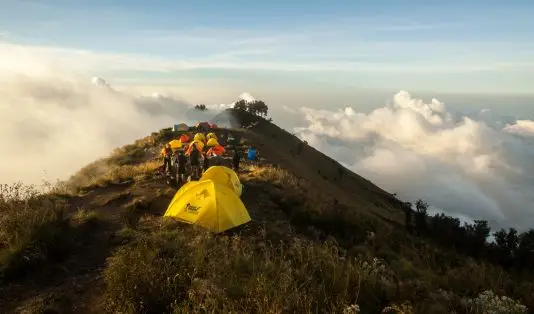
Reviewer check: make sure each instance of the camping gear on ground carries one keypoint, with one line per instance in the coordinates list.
(199, 137)
(208, 204)
(212, 142)
(224, 175)
(180, 127)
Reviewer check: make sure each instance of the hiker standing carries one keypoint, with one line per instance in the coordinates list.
(235, 160)
(252, 154)
(181, 162)
(206, 163)
(167, 155)
(194, 160)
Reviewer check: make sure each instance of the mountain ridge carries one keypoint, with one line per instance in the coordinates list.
(321, 237)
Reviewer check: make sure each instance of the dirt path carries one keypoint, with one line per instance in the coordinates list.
(76, 285)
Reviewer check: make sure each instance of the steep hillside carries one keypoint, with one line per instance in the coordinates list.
(321, 239)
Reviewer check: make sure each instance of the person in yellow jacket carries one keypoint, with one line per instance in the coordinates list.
(166, 153)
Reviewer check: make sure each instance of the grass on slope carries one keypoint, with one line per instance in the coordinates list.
(337, 268)
(333, 259)
(34, 230)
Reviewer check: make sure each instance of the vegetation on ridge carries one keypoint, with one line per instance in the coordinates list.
(303, 252)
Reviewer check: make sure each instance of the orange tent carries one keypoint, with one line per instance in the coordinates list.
(184, 138)
(216, 150)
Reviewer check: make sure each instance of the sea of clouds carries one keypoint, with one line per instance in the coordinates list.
(468, 167)
(472, 167)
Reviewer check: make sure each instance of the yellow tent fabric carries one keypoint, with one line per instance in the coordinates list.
(212, 142)
(208, 204)
(211, 135)
(199, 137)
(198, 144)
(224, 175)
(175, 144)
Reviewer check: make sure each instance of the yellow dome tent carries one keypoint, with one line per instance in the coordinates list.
(198, 144)
(175, 144)
(224, 175)
(199, 137)
(212, 142)
(208, 204)
(211, 135)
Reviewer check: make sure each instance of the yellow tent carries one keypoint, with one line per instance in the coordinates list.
(198, 144)
(175, 144)
(199, 137)
(211, 135)
(212, 142)
(208, 204)
(224, 175)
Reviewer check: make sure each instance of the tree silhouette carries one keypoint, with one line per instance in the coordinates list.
(258, 107)
(201, 107)
(241, 105)
(420, 216)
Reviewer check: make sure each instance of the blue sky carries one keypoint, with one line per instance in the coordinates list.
(443, 46)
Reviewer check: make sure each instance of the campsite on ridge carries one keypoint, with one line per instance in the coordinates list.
(294, 231)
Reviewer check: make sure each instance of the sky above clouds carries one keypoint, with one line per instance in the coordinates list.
(446, 46)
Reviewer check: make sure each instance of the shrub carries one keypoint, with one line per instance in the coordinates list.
(194, 271)
(488, 302)
(33, 229)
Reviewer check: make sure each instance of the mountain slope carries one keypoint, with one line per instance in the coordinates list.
(307, 248)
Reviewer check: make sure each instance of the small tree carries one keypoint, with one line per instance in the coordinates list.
(261, 108)
(201, 107)
(421, 209)
(241, 105)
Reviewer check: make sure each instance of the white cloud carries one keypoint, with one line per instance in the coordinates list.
(43, 60)
(420, 150)
(58, 125)
(521, 127)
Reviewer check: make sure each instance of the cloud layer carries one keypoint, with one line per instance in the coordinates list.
(52, 126)
(421, 150)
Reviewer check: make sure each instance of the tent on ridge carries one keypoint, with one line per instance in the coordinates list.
(199, 145)
(203, 126)
(211, 135)
(184, 138)
(217, 150)
(208, 204)
(175, 144)
(212, 142)
(224, 175)
(180, 127)
(199, 137)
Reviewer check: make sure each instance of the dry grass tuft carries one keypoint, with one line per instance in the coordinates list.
(113, 174)
(193, 271)
(33, 229)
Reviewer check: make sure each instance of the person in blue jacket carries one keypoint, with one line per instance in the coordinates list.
(252, 154)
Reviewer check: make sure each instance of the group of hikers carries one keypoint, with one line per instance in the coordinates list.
(191, 161)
